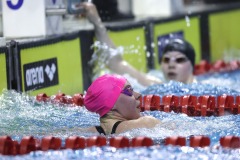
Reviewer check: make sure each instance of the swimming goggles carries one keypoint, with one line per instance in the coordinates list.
(128, 91)
(177, 60)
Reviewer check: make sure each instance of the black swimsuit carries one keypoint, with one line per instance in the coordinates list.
(101, 131)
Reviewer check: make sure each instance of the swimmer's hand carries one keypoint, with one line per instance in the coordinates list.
(90, 12)
(150, 121)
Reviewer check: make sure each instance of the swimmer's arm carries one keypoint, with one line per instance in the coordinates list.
(100, 29)
(116, 63)
(147, 122)
(142, 122)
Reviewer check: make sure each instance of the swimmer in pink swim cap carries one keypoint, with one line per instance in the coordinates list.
(113, 98)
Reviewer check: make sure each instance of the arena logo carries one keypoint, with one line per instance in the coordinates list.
(40, 74)
(14, 5)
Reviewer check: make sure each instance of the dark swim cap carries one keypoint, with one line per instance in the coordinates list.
(182, 46)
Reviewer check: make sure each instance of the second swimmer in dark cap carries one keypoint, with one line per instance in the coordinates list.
(177, 61)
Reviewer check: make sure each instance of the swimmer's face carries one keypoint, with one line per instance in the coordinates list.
(128, 103)
(176, 66)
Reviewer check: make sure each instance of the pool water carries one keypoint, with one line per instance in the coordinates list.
(225, 79)
(22, 115)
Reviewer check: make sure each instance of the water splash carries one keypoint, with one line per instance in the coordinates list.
(23, 115)
(103, 53)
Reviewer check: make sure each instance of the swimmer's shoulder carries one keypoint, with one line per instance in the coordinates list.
(142, 122)
(149, 120)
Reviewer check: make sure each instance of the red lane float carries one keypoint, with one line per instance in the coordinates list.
(142, 142)
(234, 65)
(199, 141)
(42, 97)
(96, 141)
(188, 100)
(75, 142)
(188, 110)
(230, 142)
(236, 109)
(170, 100)
(176, 141)
(50, 142)
(202, 68)
(151, 102)
(187, 105)
(8, 146)
(208, 101)
(169, 103)
(119, 142)
(29, 143)
(219, 66)
(226, 104)
(77, 99)
(62, 98)
(205, 105)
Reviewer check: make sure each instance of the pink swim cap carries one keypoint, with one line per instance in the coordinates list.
(103, 93)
